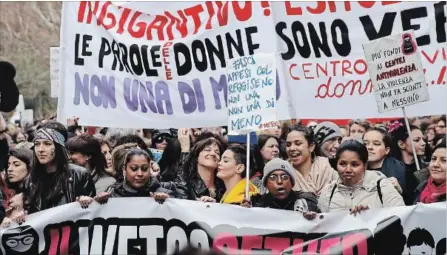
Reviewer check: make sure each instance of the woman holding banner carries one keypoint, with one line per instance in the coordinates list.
(434, 189)
(311, 173)
(137, 179)
(356, 188)
(53, 181)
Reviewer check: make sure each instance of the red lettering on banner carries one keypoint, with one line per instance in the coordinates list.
(307, 71)
(165, 55)
(276, 244)
(292, 10)
(102, 14)
(357, 239)
(320, 7)
(180, 25)
(366, 4)
(242, 14)
(345, 68)
(249, 243)
(333, 68)
(140, 25)
(226, 242)
(194, 13)
(326, 244)
(325, 90)
(290, 72)
(297, 246)
(312, 247)
(158, 25)
(164, 24)
(123, 20)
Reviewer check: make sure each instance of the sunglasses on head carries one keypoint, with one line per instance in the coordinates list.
(161, 138)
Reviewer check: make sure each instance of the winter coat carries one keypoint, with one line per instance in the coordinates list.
(375, 191)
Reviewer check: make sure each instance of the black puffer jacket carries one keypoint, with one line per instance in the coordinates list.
(124, 190)
(79, 184)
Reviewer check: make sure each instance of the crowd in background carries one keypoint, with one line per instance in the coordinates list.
(305, 167)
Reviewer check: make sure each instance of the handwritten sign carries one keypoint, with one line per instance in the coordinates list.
(396, 71)
(251, 92)
(54, 71)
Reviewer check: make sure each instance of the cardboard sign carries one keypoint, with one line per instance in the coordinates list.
(251, 92)
(396, 71)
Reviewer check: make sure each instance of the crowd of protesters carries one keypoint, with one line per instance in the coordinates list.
(312, 168)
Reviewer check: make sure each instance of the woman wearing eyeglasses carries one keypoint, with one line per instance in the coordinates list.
(279, 181)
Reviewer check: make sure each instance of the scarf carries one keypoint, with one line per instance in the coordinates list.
(237, 194)
(50, 135)
(432, 193)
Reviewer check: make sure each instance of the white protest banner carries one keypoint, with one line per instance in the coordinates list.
(251, 93)
(142, 226)
(54, 71)
(157, 64)
(163, 64)
(396, 71)
(323, 63)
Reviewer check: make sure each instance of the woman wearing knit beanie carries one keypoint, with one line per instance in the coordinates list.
(279, 181)
(327, 138)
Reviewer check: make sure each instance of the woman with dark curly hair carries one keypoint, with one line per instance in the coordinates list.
(199, 171)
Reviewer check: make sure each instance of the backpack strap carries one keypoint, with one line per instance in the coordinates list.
(379, 191)
(332, 193)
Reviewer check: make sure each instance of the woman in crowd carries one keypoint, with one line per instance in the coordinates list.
(358, 127)
(440, 125)
(170, 162)
(198, 177)
(118, 155)
(19, 165)
(53, 181)
(278, 179)
(107, 152)
(19, 137)
(266, 150)
(274, 131)
(434, 189)
(232, 170)
(85, 151)
(378, 142)
(327, 139)
(160, 139)
(401, 150)
(311, 173)
(356, 188)
(137, 178)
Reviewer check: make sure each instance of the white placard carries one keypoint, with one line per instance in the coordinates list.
(396, 71)
(54, 71)
(251, 92)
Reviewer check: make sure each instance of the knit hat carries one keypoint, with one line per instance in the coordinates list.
(277, 164)
(325, 131)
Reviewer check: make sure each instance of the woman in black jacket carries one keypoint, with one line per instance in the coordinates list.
(137, 179)
(53, 181)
